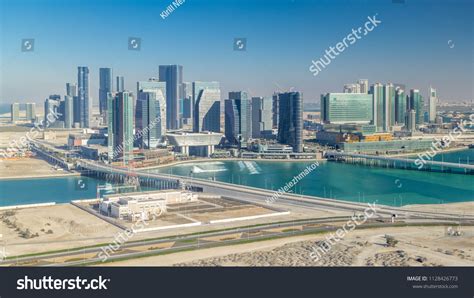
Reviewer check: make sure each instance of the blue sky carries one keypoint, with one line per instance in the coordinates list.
(410, 46)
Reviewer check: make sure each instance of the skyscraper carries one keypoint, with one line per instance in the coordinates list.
(30, 111)
(342, 108)
(15, 112)
(150, 122)
(400, 106)
(432, 104)
(245, 115)
(173, 76)
(71, 89)
(377, 105)
(411, 120)
(232, 121)
(275, 110)
(388, 107)
(120, 82)
(206, 107)
(120, 126)
(51, 111)
(363, 85)
(105, 86)
(416, 104)
(68, 111)
(83, 96)
(262, 117)
(351, 88)
(290, 128)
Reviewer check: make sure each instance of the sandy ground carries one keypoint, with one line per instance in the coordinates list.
(417, 246)
(28, 168)
(70, 227)
(464, 208)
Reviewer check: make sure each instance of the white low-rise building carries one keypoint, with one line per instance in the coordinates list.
(143, 205)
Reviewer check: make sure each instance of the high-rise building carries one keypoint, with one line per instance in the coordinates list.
(416, 104)
(83, 103)
(290, 127)
(68, 111)
(275, 110)
(377, 105)
(262, 117)
(388, 107)
(30, 111)
(15, 112)
(351, 88)
(120, 83)
(245, 115)
(232, 121)
(363, 85)
(105, 86)
(411, 120)
(120, 126)
(150, 122)
(433, 101)
(342, 108)
(52, 112)
(187, 113)
(173, 76)
(206, 108)
(400, 106)
(71, 89)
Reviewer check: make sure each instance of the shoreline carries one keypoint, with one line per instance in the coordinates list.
(27, 177)
(439, 152)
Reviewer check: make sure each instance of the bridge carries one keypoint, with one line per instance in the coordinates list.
(400, 163)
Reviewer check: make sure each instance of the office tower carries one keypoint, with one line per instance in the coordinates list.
(120, 83)
(363, 86)
(71, 89)
(152, 84)
(351, 88)
(262, 117)
(388, 107)
(377, 105)
(433, 100)
(275, 110)
(245, 115)
(52, 113)
(105, 86)
(68, 112)
(83, 99)
(15, 112)
(290, 128)
(150, 122)
(30, 111)
(416, 104)
(411, 120)
(232, 121)
(206, 108)
(173, 76)
(120, 126)
(342, 108)
(400, 106)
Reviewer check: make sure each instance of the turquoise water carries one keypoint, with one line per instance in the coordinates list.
(334, 180)
(339, 181)
(41, 190)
